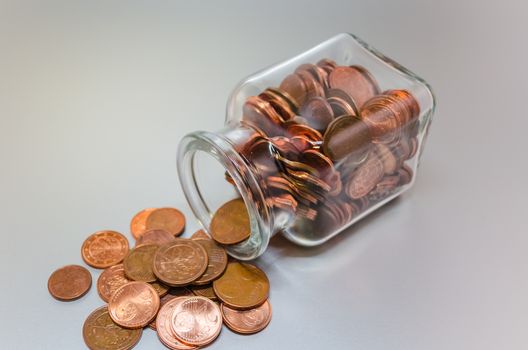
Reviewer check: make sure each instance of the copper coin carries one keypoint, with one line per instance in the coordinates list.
(139, 221)
(242, 286)
(217, 261)
(344, 102)
(365, 178)
(173, 293)
(313, 86)
(230, 223)
(409, 100)
(158, 237)
(110, 280)
(294, 86)
(285, 97)
(196, 321)
(318, 113)
(387, 157)
(101, 333)
(168, 219)
(134, 305)
(352, 81)
(279, 103)
(346, 136)
(406, 175)
(205, 291)
(104, 249)
(138, 263)
(382, 118)
(200, 234)
(69, 282)
(247, 321)
(160, 288)
(180, 263)
(164, 325)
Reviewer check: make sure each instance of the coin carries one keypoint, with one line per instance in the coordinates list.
(295, 87)
(158, 237)
(134, 305)
(164, 326)
(104, 249)
(168, 219)
(172, 293)
(217, 261)
(365, 178)
(247, 321)
(390, 162)
(160, 288)
(346, 136)
(180, 263)
(200, 234)
(318, 113)
(242, 286)
(313, 86)
(352, 81)
(196, 321)
(101, 333)
(110, 280)
(205, 291)
(138, 263)
(69, 282)
(230, 223)
(138, 223)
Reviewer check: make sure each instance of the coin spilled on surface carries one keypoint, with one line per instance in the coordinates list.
(184, 289)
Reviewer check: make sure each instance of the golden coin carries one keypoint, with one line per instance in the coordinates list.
(110, 280)
(230, 224)
(69, 282)
(168, 219)
(104, 249)
(134, 305)
(242, 286)
(217, 258)
(206, 291)
(101, 333)
(138, 263)
(138, 223)
(180, 263)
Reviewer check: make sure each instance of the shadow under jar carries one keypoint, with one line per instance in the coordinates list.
(311, 145)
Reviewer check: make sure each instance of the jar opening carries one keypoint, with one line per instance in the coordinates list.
(206, 164)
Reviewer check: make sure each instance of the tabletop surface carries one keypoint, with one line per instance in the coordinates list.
(95, 96)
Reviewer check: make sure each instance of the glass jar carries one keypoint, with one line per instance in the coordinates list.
(311, 145)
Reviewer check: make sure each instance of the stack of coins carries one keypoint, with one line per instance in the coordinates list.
(328, 144)
(185, 289)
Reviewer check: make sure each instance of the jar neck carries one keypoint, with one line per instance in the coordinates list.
(227, 147)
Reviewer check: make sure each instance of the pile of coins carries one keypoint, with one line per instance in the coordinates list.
(328, 144)
(185, 289)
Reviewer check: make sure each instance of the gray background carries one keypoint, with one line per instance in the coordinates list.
(95, 95)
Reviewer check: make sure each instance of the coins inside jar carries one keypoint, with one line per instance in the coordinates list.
(322, 165)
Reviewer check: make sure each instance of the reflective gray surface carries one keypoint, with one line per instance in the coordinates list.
(95, 95)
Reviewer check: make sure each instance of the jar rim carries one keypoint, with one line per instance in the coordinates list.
(261, 220)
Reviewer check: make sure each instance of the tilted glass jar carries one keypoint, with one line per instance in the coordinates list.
(311, 145)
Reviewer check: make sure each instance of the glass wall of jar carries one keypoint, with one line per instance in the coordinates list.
(311, 145)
